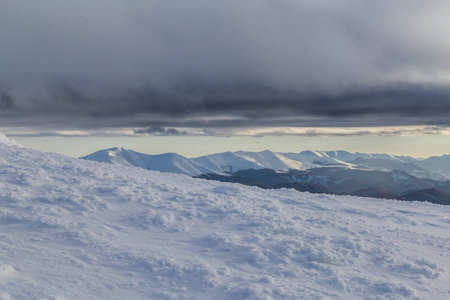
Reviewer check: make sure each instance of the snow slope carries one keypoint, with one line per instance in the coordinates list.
(349, 157)
(77, 229)
(271, 160)
(226, 161)
(7, 141)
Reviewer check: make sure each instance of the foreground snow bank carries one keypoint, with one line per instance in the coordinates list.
(75, 229)
(7, 141)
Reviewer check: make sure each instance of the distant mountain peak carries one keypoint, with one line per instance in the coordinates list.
(266, 152)
(312, 153)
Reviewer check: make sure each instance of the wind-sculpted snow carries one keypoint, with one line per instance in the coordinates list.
(76, 229)
(7, 141)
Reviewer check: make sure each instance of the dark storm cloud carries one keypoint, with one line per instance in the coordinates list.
(159, 131)
(149, 64)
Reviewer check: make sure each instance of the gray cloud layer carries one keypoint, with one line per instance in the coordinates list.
(151, 64)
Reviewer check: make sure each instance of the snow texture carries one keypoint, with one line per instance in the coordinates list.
(7, 141)
(77, 229)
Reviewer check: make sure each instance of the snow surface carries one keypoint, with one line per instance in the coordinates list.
(7, 141)
(77, 229)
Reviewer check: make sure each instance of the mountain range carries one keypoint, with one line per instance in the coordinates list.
(334, 172)
(219, 163)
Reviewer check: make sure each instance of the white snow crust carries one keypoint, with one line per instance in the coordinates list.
(77, 229)
(7, 141)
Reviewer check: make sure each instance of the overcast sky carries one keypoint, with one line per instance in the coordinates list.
(158, 67)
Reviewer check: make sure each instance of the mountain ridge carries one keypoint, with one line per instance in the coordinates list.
(332, 172)
(436, 168)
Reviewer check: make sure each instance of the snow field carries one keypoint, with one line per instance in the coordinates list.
(75, 229)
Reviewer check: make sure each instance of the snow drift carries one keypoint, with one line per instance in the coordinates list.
(77, 229)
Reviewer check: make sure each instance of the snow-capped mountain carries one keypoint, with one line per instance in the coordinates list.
(338, 172)
(78, 229)
(243, 160)
(168, 162)
(436, 168)
(226, 162)
(348, 157)
(392, 184)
